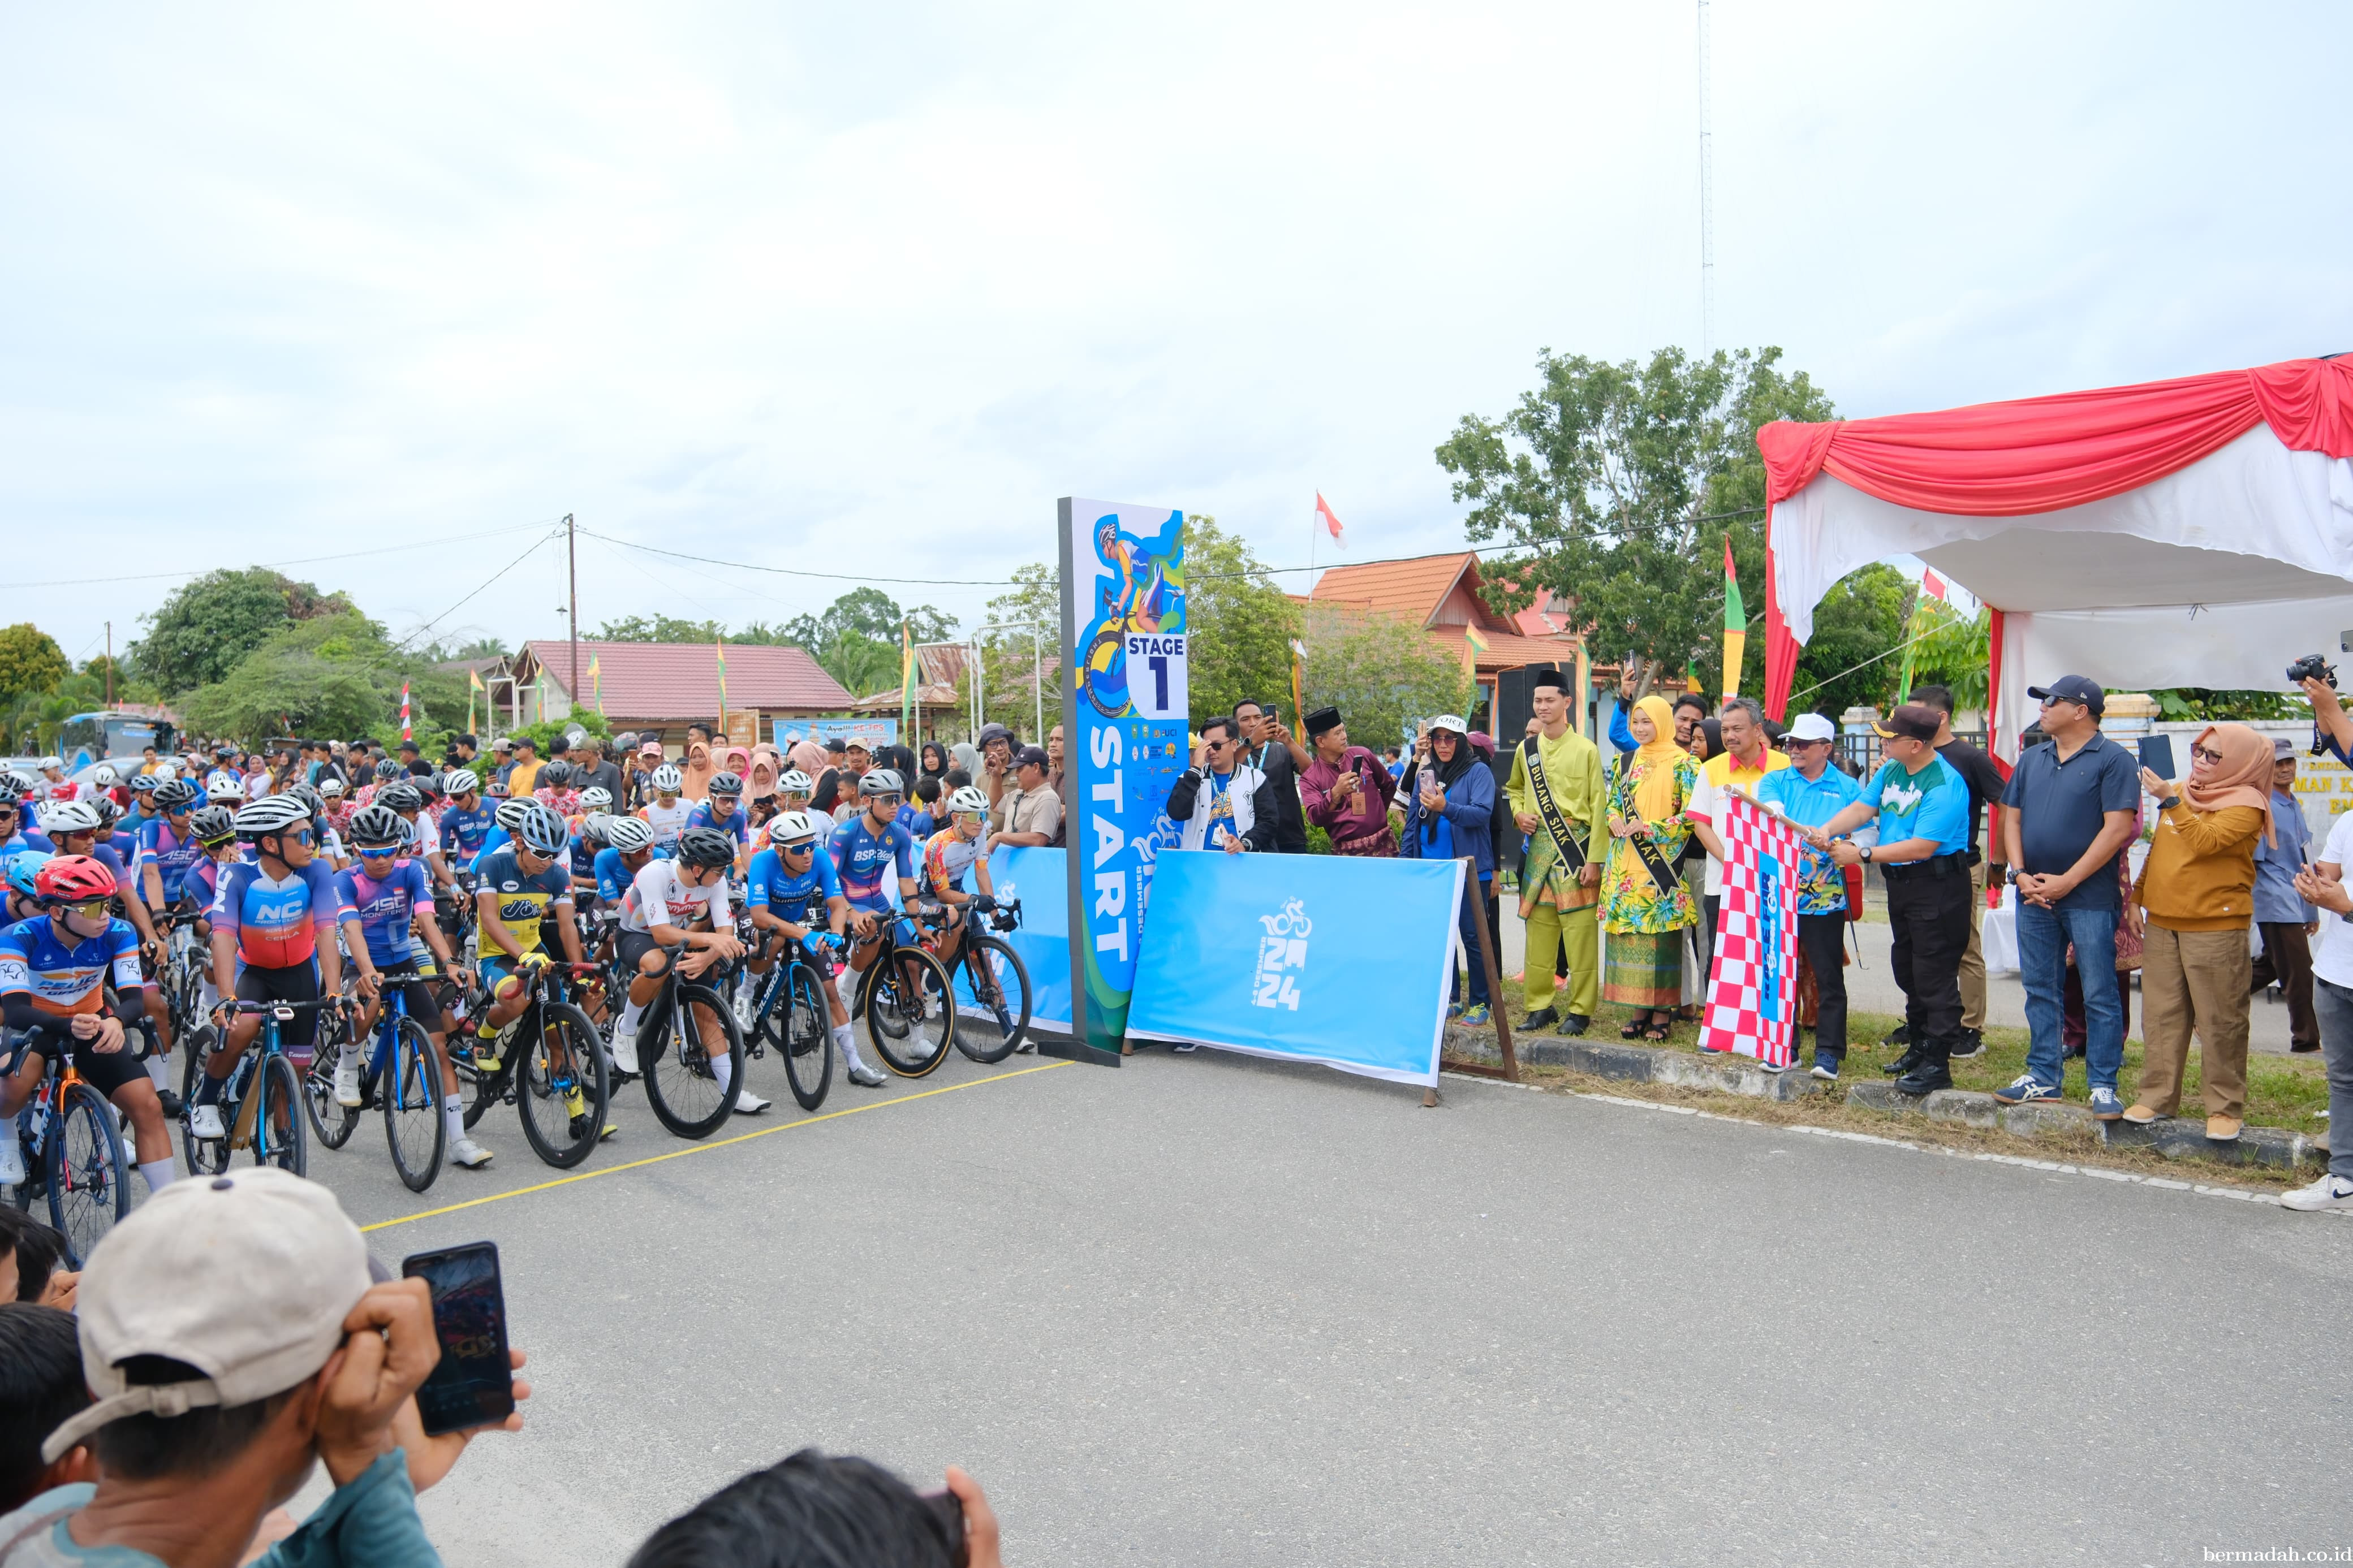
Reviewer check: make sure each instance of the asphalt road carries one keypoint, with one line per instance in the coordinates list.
(1207, 1309)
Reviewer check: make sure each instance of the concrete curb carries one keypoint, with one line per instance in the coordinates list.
(2173, 1138)
(1637, 1064)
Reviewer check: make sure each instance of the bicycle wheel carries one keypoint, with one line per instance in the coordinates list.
(679, 1083)
(1000, 984)
(90, 1183)
(806, 1043)
(279, 1135)
(911, 1011)
(561, 1086)
(205, 1156)
(332, 1121)
(409, 1089)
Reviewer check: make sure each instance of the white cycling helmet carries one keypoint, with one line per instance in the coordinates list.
(57, 762)
(967, 798)
(465, 781)
(71, 816)
(796, 782)
(167, 769)
(629, 835)
(271, 814)
(331, 786)
(102, 776)
(790, 827)
(668, 780)
(509, 814)
(595, 798)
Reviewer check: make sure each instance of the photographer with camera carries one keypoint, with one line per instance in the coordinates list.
(2332, 728)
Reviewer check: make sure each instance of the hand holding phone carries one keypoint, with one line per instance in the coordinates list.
(473, 1385)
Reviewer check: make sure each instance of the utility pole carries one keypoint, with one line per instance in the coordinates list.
(572, 573)
(1706, 203)
(110, 663)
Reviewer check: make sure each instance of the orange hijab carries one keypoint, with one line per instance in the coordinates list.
(698, 771)
(2243, 777)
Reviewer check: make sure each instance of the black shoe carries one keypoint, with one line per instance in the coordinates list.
(1905, 1063)
(1970, 1044)
(1899, 1035)
(1925, 1079)
(1537, 1019)
(1575, 1024)
(169, 1100)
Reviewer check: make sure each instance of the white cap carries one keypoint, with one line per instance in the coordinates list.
(1450, 722)
(1811, 727)
(247, 1277)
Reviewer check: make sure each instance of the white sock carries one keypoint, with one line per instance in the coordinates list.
(158, 1072)
(211, 995)
(630, 1015)
(160, 1173)
(723, 1068)
(848, 1044)
(453, 1115)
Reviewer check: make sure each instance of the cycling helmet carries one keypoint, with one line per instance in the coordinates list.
(387, 770)
(881, 781)
(593, 826)
(308, 798)
(465, 781)
(509, 812)
(403, 797)
(496, 789)
(13, 788)
(108, 812)
(668, 780)
(223, 750)
(432, 786)
(166, 769)
(791, 827)
(177, 795)
(103, 776)
(212, 823)
(539, 829)
(727, 783)
(628, 835)
(705, 847)
(228, 795)
(967, 798)
(595, 798)
(555, 773)
(24, 867)
(376, 825)
(70, 879)
(270, 814)
(141, 783)
(70, 816)
(330, 786)
(796, 782)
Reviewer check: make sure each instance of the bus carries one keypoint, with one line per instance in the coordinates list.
(88, 738)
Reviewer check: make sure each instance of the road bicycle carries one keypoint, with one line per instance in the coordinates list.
(907, 998)
(73, 1151)
(399, 1074)
(688, 1025)
(550, 1062)
(788, 1008)
(989, 1027)
(264, 1088)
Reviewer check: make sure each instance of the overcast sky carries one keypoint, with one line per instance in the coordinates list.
(864, 293)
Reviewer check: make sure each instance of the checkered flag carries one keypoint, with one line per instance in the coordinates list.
(1752, 993)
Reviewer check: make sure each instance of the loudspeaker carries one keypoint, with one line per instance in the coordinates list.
(1515, 707)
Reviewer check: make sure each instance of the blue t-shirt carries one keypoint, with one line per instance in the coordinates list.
(1809, 803)
(462, 831)
(800, 900)
(737, 826)
(920, 825)
(863, 859)
(1931, 804)
(386, 907)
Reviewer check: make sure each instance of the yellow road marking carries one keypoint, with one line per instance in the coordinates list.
(707, 1147)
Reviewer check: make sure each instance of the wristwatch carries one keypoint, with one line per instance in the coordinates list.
(2009, 875)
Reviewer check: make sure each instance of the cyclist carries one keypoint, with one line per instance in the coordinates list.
(960, 848)
(666, 813)
(865, 849)
(793, 889)
(553, 788)
(214, 827)
(224, 779)
(406, 798)
(503, 825)
(74, 828)
(588, 841)
(267, 919)
(164, 850)
(336, 808)
(331, 842)
(388, 890)
(17, 831)
(142, 810)
(520, 887)
(53, 971)
(468, 819)
(678, 903)
(723, 812)
(54, 784)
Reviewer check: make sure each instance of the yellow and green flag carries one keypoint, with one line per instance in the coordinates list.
(474, 680)
(1474, 645)
(1735, 624)
(906, 682)
(722, 646)
(596, 681)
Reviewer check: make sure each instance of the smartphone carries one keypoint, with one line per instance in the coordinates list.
(474, 1384)
(2156, 754)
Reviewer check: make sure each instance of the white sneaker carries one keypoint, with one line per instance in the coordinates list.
(205, 1121)
(624, 1053)
(467, 1152)
(12, 1155)
(347, 1080)
(2328, 1193)
(750, 1104)
(865, 1077)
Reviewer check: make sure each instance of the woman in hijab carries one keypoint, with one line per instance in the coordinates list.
(2193, 903)
(935, 760)
(698, 770)
(968, 757)
(760, 783)
(1706, 740)
(809, 757)
(1446, 817)
(1645, 905)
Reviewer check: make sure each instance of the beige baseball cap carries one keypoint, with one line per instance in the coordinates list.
(246, 1277)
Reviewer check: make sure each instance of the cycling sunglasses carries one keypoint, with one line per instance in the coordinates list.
(93, 910)
(886, 799)
(300, 835)
(375, 851)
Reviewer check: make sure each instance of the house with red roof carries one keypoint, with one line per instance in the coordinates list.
(659, 687)
(1441, 594)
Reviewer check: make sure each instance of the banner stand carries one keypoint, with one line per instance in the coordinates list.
(1511, 1072)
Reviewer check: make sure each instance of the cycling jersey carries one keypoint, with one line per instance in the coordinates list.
(525, 898)
(62, 978)
(864, 858)
(108, 856)
(668, 822)
(427, 841)
(612, 876)
(737, 824)
(37, 843)
(277, 921)
(202, 884)
(496, 839)
(584, 857)
(948, 858)
(386, 908)
(798, 898)
(170, 854)
(659, 895)
(467, 829)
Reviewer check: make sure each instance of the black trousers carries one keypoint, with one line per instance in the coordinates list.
(1823, 938)
(1928, 911)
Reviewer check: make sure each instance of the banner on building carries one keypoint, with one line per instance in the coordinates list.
(1333, 959)
(869, 732)
(1126, 705)
(1752, 995)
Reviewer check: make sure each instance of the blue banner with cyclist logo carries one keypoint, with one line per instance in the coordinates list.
(867, 732)
(1125, 710)
(1313, 958)
(1041, 937)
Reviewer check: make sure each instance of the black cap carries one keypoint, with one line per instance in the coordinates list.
(2073, 688)
(1031, 757)
(994, 732)
(1549, 678)
(836, 744)
(1321, 720)
(1915, 721)
(408, 746)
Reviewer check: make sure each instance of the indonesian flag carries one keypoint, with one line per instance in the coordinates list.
(1324, 517)
(406, 732)
(1930, 584)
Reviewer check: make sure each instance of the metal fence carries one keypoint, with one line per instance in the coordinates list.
(1861, 754)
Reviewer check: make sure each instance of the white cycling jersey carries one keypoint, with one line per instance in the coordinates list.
(667, 821)
(659, 895)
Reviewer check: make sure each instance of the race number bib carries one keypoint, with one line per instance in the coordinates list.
(1156, 675)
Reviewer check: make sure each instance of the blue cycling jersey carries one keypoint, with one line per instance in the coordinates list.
(463, 831)
(737, 826)
(584, 857)
(170, 854)
(64, 978)
(276, 924)
(496, 839)
(386, 908)
(612, 876)
(863, 859)
(26, 843)
(798, 898)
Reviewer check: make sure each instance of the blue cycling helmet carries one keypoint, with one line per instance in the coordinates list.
(23, 866)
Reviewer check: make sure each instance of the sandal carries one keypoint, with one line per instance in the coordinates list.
(1687, 1013)
(1634, 1030)
(1656, 1034)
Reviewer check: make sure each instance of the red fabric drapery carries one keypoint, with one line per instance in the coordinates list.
(2043, 454)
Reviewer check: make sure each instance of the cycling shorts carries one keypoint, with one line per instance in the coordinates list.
(106, 1071)
(294, 982)
(631, 947)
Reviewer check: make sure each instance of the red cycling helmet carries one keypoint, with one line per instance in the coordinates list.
(73, 879)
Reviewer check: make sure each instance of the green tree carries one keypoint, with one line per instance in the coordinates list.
(1239, 625)
(871, 612)
(1859, 620)
(1603, 472)
(207, 625)
(332, 674)
(1953, 650)
(30, 662)
(864, 664)
(659, 629)
(1379, 670)
(33, 720)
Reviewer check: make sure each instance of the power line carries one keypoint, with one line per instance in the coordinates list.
(300, 561)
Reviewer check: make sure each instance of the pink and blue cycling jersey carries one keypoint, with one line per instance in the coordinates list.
(276, 924)
(170, 854)
(386, 908)
(864, 859)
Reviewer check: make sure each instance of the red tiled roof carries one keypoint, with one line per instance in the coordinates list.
(680, 681)
(1507, 651)
(1412, 588)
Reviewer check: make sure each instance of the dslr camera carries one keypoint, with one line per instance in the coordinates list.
(2312, 667)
